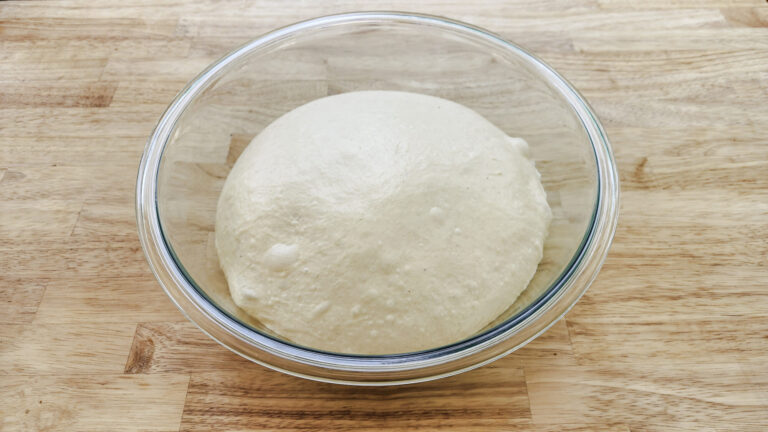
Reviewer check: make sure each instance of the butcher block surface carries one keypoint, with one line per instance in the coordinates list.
(672, 336)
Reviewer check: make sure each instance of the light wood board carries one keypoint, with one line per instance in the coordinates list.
(673, 335)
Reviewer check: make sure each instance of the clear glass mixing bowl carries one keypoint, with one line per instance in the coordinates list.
(204, 130)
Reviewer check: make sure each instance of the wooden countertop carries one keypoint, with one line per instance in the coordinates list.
(673, 335)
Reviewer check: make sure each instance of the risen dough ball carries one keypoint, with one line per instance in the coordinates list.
(380, 222)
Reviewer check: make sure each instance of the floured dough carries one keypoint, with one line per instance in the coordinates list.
(380, 222)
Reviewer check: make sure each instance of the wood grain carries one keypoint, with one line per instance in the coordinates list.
(492, 397)
(671, 337)
(93, 403)
(698, 396)
(56, 348)
(21, 298)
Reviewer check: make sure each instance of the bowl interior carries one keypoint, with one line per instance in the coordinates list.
(287, 71)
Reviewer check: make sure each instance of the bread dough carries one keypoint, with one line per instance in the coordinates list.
(380, 222)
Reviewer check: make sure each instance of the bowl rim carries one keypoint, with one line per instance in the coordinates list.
(375, 369)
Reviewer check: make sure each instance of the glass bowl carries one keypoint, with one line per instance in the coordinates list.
(201, 134)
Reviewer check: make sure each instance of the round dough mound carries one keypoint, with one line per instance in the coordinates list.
(380, 222)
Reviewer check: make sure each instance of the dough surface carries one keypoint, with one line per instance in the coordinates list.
(380, 222)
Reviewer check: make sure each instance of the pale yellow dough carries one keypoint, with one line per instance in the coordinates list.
(380, 222)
